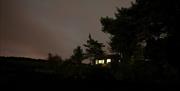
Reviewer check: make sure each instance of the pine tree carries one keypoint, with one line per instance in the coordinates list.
(93, 49)
(78, 55)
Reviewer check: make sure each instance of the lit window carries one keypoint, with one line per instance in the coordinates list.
(163, 35)
(101, 61)
(108, 60)
(119, 60)
(96, 61)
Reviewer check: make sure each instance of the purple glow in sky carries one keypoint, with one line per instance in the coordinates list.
(34, 28)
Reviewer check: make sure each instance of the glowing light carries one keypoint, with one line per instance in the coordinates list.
(101, 61)
(96, 61)
(108, 60)
(119, 60)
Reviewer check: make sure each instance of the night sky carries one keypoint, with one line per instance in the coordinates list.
(34, 28)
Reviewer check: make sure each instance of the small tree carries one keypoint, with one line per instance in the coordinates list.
(93, 49)
(55, 59)
(78, 55)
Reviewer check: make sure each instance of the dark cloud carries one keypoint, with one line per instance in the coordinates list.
(33, 28)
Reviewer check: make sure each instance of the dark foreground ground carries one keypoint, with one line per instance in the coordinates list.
(20, 72)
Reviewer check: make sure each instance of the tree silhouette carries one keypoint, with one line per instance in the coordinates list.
(145, 20)
(122, 30)
(78, 55)
(149, 29)
(54, 59)
(93, 49)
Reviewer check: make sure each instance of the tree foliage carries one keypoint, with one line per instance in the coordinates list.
(148, 28)
(145, 20)
(54, 58)
(78, 55)
(93, 49)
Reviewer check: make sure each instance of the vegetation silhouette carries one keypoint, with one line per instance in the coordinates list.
(94, 49)
(78, 55)
(145, 36)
